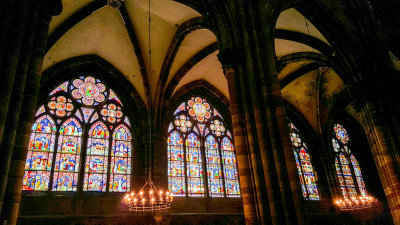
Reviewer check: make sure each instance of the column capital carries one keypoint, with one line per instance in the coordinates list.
(229, 58)
(52, 7)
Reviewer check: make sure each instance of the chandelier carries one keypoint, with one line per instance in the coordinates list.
(149, 199)
(354, 203)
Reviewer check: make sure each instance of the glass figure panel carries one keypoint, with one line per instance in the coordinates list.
(68, 156)
(40, 155)
(120, 169)
(176, 171)
(230, 168)
(194, 166)
(96, 158)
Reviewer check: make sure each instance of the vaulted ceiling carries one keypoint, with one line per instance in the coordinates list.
(121, 37)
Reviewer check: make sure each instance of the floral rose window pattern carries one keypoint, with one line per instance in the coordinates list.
(81, 110)
(347, 167)
(304, 166)
(88, 90)
(198, 138)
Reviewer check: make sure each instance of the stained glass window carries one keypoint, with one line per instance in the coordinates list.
(40, 155)
(304, 166)
(230, 168)
(86, 112)
(347, 167)
(194, 166)
(176, 165)
(121, 160)
(214, 173)
(198, 138)
(96, 158)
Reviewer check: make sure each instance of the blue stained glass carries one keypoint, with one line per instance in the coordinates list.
(176, 177)
(121, 151)
(97, 158)
(40, 155)
(68, 156)
(119, 183)
(194, 166)
(214, 172)
(230, 170)
(304, 166)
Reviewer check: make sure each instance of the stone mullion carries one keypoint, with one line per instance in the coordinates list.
(242, 155)
(386, 164)
(15, 103)
(13, 41)
(14, 186)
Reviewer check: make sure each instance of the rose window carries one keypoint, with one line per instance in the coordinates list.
(88, 90)
(111, 113)
(183, 123)
(60, 106)
(217, 127)
(199, 109)
(341, 133)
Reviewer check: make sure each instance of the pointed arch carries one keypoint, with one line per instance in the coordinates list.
(71, 140)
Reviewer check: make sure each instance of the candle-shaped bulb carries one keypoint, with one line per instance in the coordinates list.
(141, 193)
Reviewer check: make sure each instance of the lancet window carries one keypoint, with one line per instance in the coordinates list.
(304, 166)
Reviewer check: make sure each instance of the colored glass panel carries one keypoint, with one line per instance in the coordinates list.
(341, 133)
(40, 155)
(113, 96)
(194, 166)
(230, 170)
(214, 172)
(86, 113)
(120, 168)
(68, 156)
(183, 123)
(88, 91)
(61, 106)
(359, 178)
(96, 158)
(176, 158)
(217, 128)
(199, 109)
(304, 165)
(347, 178)
(62, 87)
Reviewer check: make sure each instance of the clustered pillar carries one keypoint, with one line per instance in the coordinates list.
(22, 47)
(267, 171)
(382, 140)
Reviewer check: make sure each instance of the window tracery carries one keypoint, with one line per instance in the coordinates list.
(86, 112)
(201, 156)
(347, 167)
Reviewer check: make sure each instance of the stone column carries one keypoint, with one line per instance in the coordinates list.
(246, 183)
(10, 47)
(12, 196)
(384, 153)
(18, 88)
